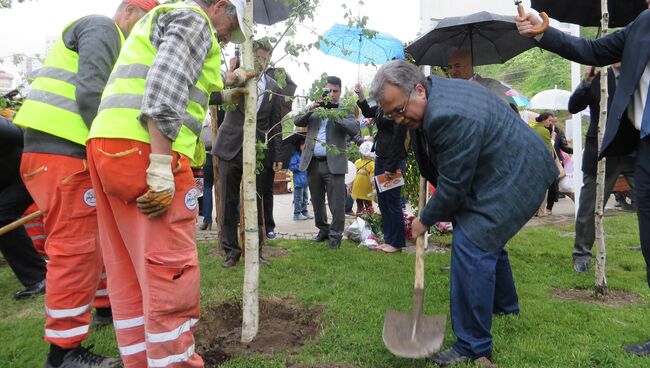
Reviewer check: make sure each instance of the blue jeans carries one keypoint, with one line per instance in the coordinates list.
(208, 182)
(300, 200)
(481, 284)
(390, 205)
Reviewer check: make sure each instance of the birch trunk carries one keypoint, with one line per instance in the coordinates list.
(601, 248)
(250, 319)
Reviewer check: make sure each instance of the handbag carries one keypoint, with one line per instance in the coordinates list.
(559, 166)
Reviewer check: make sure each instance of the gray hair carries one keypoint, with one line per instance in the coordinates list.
(231, 11)
(400, 74)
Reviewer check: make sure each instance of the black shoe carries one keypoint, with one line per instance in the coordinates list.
(33, 290)
(230, 262)
(320, 237)
(580, 266)
(335, 243)
(638, 349)
(82, 357)
(264, 262)
(448, 357)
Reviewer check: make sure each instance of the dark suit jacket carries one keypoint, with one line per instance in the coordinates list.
(589, 96)
(337, 134)
(492, 169)
(389, 140)
(11, 149)
(231, 132)
(631, 46)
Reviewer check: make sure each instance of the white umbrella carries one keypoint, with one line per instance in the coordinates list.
(551, 99)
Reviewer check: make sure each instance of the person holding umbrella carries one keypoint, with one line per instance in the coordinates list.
(628, 118)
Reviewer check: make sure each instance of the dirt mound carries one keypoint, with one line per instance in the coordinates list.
(284, 327)
(614, 298)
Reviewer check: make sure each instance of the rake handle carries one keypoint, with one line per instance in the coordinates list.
(20, 222)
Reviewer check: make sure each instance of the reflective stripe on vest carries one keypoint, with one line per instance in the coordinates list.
(121, 105)
(51, 106)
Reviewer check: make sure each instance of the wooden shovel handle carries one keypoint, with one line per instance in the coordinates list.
(539, 29)
(20, 222)
(419, 243)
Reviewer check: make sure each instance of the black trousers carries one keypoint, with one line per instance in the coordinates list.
(268, 176)
(642, 183)
(230, 174)
(16, 246)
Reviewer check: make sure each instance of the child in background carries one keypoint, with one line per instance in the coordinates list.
(362, 186)
(300, 197)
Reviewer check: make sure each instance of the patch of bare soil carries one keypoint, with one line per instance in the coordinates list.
(433, 247)
(614, 298)
(284, 327)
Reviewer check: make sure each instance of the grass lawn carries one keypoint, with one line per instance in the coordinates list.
(357, 286)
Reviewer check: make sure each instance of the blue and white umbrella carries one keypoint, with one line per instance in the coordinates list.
(361, 46)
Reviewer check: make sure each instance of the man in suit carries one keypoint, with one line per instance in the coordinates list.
(460, 66)
(488, 193)
(325, 168)
(588, 94)
(228, 148)
(628, 119)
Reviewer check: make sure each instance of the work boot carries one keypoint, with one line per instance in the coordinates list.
(230, 262)
(81, 357)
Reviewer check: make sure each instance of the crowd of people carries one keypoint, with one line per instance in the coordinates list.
(109, 163)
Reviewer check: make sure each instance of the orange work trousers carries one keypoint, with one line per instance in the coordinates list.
(152, 264)
(61, 188)
(36, 229)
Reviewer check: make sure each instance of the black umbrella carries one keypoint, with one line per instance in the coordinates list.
(587, 12)
(269, 12)
(492, 39)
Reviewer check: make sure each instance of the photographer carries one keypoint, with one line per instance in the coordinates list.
(326, 169)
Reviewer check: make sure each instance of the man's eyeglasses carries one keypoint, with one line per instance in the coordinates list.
(391, 115)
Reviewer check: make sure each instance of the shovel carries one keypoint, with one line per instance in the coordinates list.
(414, 335)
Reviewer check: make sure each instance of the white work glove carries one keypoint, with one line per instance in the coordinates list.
(234, 95)
(242, 76)
(160, 179)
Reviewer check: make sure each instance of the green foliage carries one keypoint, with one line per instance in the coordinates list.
(531, 72)
(260, 149)
(411, 188)
(374, 221)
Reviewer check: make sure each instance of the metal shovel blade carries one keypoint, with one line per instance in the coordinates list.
(413, 335)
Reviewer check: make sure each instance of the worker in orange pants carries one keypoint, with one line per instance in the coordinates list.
(152, 264)
(57, 116)
(61, 188)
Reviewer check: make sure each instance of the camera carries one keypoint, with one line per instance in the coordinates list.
(326, 91)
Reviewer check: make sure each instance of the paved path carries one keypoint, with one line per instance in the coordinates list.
(287, 228)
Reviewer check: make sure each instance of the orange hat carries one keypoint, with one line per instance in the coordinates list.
(146, 5)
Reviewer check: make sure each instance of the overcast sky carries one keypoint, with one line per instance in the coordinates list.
(27, 25)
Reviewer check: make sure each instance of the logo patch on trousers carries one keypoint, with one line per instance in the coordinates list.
(89, 198)
(191, 199)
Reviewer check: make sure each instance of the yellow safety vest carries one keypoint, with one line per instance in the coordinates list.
(122, 99)
(51, 106)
